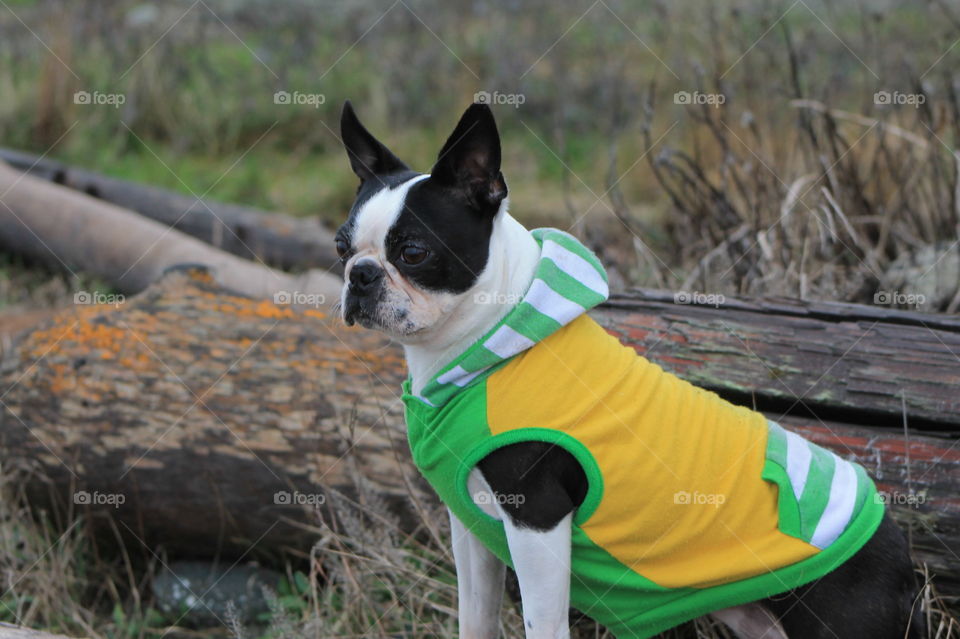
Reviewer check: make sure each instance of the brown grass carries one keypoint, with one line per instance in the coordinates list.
(368, 580)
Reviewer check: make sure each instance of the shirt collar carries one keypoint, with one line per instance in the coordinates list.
(569, 280)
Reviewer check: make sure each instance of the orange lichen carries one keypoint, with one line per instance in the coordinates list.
(84, 333)
(77, 336)
(201, 275)
(133, 340)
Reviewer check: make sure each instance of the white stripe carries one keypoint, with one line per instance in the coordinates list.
(843, 497)
(425, 400)
(377, 215)
(798, 461)
(552, 304)
(459, 376)
(506, 342)
(575, 266)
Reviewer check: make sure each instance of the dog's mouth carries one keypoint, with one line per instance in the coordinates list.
(363, 310)
(354, 313)
(364, 320)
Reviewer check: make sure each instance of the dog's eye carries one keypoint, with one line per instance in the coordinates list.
(342, 247)
(411, 254)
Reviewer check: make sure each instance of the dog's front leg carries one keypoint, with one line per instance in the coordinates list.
(479, 584)
(541, 560)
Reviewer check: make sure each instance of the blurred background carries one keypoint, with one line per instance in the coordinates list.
(804, 149)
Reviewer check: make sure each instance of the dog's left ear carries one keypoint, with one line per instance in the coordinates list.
(470, 159)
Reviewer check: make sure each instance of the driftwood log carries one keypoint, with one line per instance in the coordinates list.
(283, 241)
(70, 230)
(194, 408)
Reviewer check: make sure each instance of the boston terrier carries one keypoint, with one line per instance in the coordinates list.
(604, 481)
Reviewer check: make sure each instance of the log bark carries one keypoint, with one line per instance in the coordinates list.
(198, 407)
(71, 230)
(282, 241)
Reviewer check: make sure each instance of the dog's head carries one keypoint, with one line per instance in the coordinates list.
(414, 244)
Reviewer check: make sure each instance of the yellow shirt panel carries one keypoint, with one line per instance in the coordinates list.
(683, 502)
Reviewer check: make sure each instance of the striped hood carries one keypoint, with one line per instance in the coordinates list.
(568, 281)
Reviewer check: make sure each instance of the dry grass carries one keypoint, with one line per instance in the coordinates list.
(52, 575)
(368, 579)
(826, 222)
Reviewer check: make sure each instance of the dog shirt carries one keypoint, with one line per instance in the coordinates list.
(693, 504)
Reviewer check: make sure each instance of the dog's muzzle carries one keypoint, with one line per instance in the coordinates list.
(363, 293)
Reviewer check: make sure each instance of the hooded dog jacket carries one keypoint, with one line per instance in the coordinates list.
(693, 504)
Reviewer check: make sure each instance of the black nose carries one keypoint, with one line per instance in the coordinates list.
(365, 275)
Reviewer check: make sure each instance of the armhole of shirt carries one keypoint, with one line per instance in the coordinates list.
(573, 446)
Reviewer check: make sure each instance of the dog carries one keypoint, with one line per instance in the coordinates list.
(603, 481)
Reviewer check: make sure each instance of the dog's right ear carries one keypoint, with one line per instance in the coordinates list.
(368, 157)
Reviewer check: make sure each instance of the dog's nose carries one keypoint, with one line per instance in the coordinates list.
(364, 275)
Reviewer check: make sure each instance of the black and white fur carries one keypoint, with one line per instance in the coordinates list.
(423, 254)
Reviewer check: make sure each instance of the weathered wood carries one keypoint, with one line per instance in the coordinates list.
(71, 230)
(198, 406)
(279, 240)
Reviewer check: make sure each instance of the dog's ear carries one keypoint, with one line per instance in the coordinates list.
(368, 156)
(470, 159)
